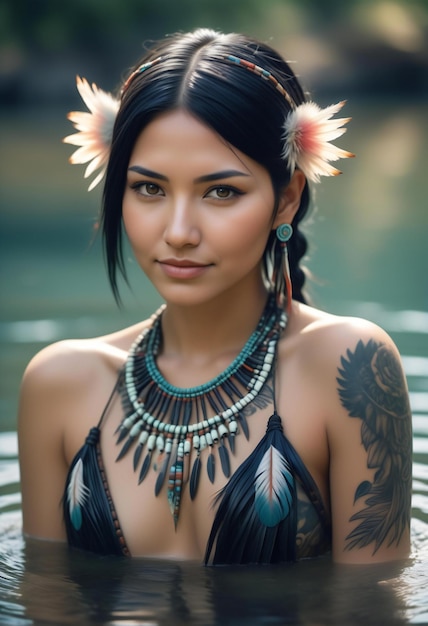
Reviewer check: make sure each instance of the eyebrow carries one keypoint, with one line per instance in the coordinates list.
(201, 179)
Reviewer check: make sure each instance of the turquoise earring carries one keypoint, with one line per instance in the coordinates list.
(283, 234)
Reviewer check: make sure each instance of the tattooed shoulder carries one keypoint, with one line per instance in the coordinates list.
(372, 388)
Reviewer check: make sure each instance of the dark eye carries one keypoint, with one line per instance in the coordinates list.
(223, 193)
(149, 189)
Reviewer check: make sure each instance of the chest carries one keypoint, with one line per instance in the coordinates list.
(143, 508)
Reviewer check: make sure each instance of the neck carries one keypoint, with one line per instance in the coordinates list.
(213, 327)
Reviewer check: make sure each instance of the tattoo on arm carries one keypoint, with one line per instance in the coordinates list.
(372, 388)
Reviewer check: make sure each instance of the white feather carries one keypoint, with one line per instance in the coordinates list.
(274, 485)
(77, 493)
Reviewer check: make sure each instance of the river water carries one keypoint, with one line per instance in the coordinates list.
(369, 258)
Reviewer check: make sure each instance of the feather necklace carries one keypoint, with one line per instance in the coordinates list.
(167, 427)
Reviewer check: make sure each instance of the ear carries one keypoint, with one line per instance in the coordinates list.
(289, 201)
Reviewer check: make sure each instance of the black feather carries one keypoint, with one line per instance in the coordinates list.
(224, 459)
(123, 432)
(128, 443)
(161, 476)
(145, 467)
(194, 477)
(137, 455)
(244, 425)
(211, 467)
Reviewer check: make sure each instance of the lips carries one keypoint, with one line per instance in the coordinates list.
(182, 268)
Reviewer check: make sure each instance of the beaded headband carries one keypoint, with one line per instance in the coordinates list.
(307, 129)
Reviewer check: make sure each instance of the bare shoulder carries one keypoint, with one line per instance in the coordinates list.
(343, 360)
(67, 384)
(73, 362)
(331, 338)
(327, 326)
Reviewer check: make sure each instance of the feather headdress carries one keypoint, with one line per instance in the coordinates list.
(308, 130)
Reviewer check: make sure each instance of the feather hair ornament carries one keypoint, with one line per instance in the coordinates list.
(308, 131)
(95, 129)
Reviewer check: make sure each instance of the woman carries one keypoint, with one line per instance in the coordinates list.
(238, 424)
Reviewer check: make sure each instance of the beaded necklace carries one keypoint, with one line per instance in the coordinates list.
(173, 424)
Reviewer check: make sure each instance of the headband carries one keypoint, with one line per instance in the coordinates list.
(307, 129)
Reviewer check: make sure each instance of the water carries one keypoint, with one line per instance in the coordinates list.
(369, 259)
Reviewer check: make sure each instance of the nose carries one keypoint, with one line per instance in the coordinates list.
(182, 229)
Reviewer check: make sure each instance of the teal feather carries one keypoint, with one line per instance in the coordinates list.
(274, 487)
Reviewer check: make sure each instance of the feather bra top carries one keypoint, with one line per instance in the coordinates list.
(269, 511)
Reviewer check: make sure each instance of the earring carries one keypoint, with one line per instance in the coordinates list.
(283, 234)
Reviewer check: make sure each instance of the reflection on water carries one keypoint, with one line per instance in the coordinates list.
(370, 260)
(46, 583)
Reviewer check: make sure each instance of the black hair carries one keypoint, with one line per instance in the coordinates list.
(243, 108)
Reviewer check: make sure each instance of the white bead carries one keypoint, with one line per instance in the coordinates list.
(143, 437)
(151, 442)
(127, 423)
(187, 446)
(214, 435)
(222, 430)
(136, 429)
(160, 443)
(168, 445)
(233, 427)
(196, 441)
(202, 442)
(209, 439)
(258, 385)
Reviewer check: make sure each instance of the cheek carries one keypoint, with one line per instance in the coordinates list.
(246, 237)
(137, 225)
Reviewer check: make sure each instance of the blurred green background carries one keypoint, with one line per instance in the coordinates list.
(368, 233)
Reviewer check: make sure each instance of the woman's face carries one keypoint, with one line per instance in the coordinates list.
(197, 212)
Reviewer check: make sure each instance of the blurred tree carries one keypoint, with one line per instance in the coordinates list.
(43, 43)
(49, 25)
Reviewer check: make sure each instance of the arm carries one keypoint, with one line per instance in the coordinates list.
(43, 466)
(370, 440)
